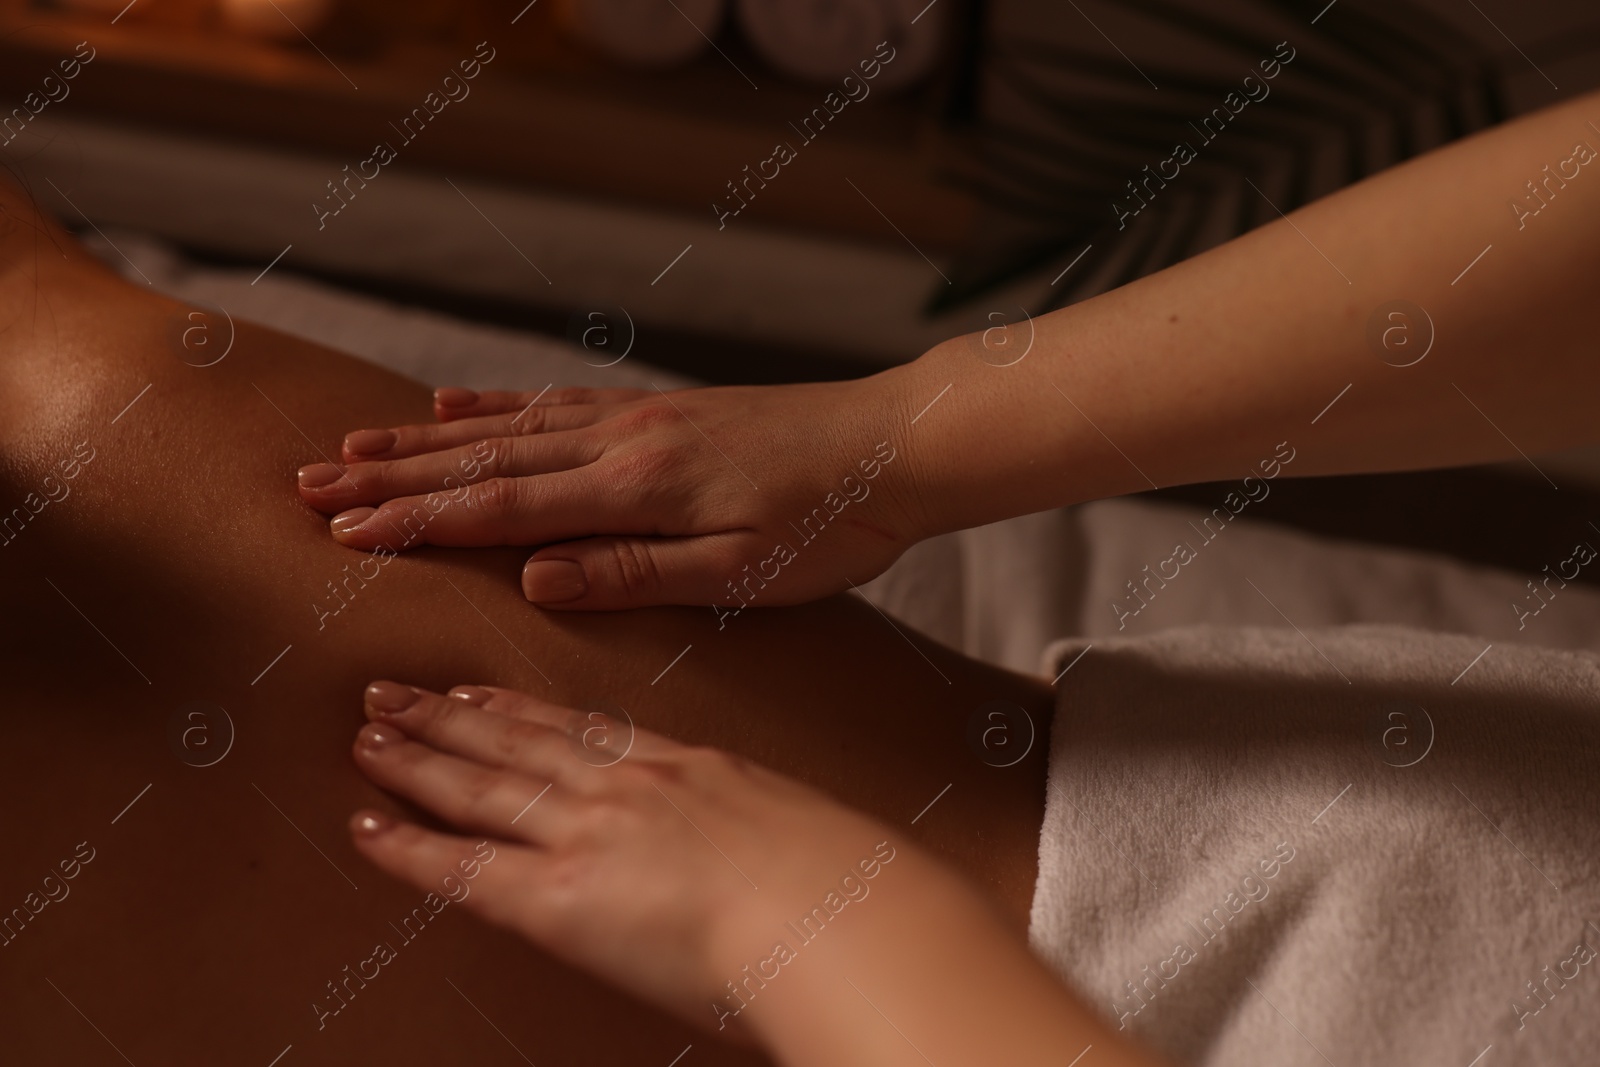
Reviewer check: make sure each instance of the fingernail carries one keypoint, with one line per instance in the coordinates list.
(451, 397)
(371, 738)
(370, 823)
(476, 695)
(346, 521)
(318, 475)
(553, 581)
(390, 697)
(369, 442)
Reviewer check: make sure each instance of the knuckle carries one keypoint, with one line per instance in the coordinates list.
(404, 522)
(432, 717)
(640, 469)
(635, 567)
(600, 819)
(368, 477)
(513, 456)
(567, 887)
(513, 702)
(498, 495)
(528, 422)
(644, 417)
(477, 787)
(513, 739)
(430, 506)
(496, 463)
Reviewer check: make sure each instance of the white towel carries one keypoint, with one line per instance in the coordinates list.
(1267, 847)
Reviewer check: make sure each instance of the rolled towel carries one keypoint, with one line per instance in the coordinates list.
(824, 40)
(643, 33)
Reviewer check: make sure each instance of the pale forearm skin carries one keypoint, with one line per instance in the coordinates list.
(929, 975)
(1199, 372)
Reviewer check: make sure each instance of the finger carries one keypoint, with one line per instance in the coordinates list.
(450, 404)
(599, 738)
(610, 573)
(488, 877)
(330, 490)
(532, 742)
(500, 511)
(462, 792)
(403, 441)
(510, 702)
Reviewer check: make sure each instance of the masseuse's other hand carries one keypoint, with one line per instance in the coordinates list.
(667, 871)
(736, 898)
(762, 495)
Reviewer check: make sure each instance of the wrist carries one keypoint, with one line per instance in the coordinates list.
(810, 1014)
(924, 426)
(964, 457)
(1025, 417)
(971, 993)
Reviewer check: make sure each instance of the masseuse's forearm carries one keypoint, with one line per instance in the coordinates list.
(932, 978)
(1197, 373)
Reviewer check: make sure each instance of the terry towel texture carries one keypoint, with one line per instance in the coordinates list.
(1248, 859)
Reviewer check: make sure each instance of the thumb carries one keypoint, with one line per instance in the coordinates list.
(611, 573)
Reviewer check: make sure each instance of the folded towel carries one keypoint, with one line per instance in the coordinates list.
(1356, 845)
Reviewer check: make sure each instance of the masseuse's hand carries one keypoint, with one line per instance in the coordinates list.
(729, 496)
(712, 887)
(665, 871)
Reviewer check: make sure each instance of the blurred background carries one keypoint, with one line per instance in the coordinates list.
(750, 190)
(588, 153)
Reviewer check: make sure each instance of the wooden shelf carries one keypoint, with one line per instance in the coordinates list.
(543, 113)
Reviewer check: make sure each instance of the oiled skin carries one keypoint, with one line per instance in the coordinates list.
(206, 925)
